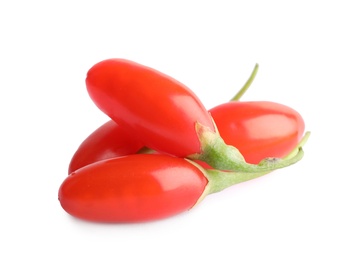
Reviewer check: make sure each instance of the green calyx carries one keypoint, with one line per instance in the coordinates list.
(219, 180)
(214, 151)
(221, 156)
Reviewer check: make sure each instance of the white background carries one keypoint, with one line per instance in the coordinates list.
(309, 57)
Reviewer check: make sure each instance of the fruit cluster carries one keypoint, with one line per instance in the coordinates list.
(162, 152)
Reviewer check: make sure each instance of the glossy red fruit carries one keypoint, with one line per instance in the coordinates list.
(161, 111)
(145, 187)
(133, 188)
(259, 129)
(108, 141)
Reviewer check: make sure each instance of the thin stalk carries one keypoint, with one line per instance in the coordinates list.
(248, 83)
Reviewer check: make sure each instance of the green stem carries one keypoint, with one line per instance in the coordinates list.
(248, 83)
(301, 143)
(219, 180)
(221, 156)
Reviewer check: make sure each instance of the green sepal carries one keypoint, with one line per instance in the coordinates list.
(219, 180)
(220, 156)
